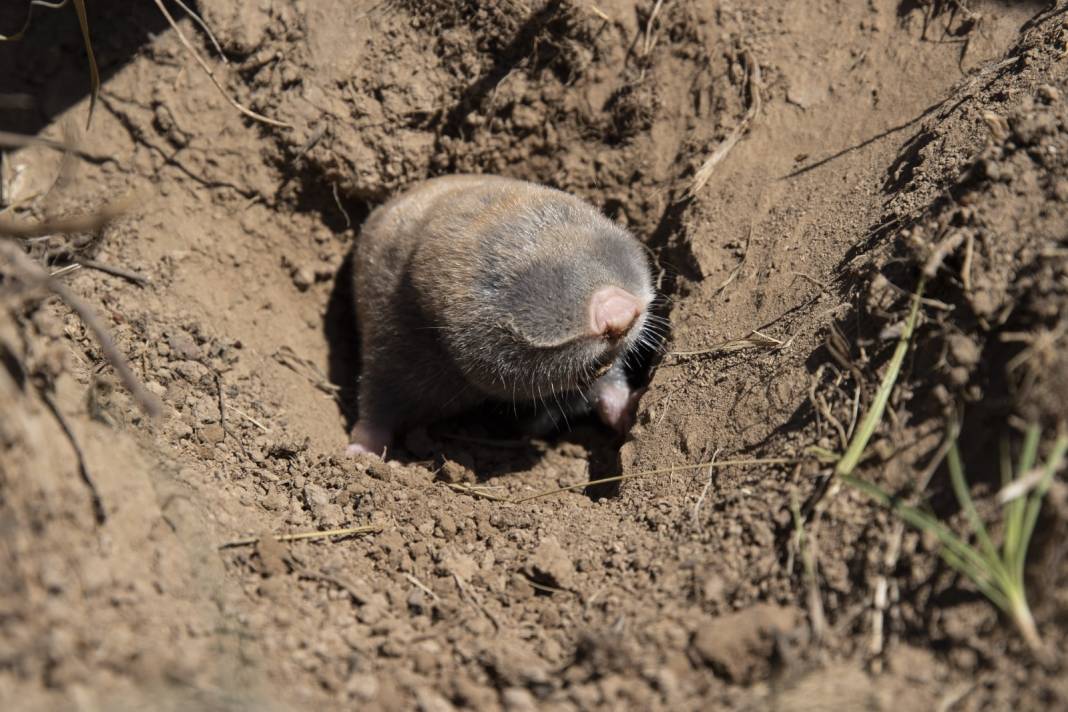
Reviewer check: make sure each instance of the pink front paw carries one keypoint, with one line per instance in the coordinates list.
(368, 439)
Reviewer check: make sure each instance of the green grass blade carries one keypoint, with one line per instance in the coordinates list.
(1034, 504)
(964, 497)
(973, 561)
(94, 71)
(1029, 451)
(986, 586)
(1014, 510)
(875, 413)
(821, 453)
(1014, 517)
(964, 558)
(1005, 462)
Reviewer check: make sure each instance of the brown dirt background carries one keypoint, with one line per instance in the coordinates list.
(888, 131)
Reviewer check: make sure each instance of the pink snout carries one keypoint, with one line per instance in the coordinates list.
(613, 311)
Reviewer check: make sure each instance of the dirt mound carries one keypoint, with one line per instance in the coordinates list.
(794, 168)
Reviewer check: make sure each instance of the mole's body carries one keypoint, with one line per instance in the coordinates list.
(478, 288)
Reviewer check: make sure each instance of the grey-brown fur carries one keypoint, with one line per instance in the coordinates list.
(471, 288)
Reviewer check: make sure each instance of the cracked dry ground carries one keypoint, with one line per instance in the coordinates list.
(877, 139)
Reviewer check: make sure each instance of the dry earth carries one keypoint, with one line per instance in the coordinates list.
(877, 139)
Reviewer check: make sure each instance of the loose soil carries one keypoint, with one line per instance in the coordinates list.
(878, 141)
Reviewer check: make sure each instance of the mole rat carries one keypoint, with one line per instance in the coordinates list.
(473, 288)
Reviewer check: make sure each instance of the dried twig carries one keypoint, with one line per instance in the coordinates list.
(288, 358)
(704, 492)
(34, 275)
(943, 250)
(15, 140)
(211, 74)
(249, 418)
(222, 414)
(755, 340)
(475, 600)
(204, 26)
(808, 549)
(307, 536)
(704, 173)
(99, 513)
(87, 222)
(421, 586)
(476, 491)
(139, 279)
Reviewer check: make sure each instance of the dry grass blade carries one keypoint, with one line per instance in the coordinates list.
(1021, 486)
(704, 173)
(704, 491)
(29, 18)
(211, 74)
(649, 40)
(139, 279)
(755, 340)
(87, 222)
(599, 13)
(29, 272)
(476, 491)
(288, 358)
(83, 23)
(99, 511)
(15, 140)
(808, 551)
(94, 71)
(307, 536)
(204, 26)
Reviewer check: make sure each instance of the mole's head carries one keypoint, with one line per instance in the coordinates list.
(563, 301)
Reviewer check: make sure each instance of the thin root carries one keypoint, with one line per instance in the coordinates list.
(704, 173)
(211, 74)
(34, 275)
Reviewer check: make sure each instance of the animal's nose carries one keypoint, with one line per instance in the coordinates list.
(613, 311)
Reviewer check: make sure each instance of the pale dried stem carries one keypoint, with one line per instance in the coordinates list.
(33, 275)
(211, 74)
